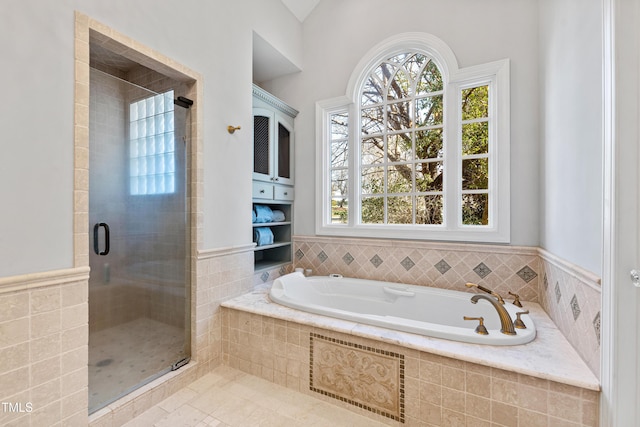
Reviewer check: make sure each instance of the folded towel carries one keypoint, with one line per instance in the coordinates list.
(263, 213)
(253, 216)
(263, 236)
(277, 216)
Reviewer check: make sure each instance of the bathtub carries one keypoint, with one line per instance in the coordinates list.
(421, 310)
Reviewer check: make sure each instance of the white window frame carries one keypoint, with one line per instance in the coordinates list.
(496, 75)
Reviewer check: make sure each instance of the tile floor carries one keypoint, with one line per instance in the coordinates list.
(128, 354)
(228, 397)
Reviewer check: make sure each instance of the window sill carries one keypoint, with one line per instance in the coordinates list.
(434, 233)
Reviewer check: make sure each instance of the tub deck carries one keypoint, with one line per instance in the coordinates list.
(549, 356)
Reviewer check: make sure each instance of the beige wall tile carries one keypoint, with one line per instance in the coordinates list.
(43, 300)
(45, 324)
(565, 407)
(438, 390)
(15, 381)
(14, 306)
(478, 384)
(503, 414)
(15, 356)
(14, 331)
(45, 371)
(478, 407)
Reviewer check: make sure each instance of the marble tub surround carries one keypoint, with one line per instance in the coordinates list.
(570, 295)
(443, 265)
(445, 383)
(572, 298)
(548, 357)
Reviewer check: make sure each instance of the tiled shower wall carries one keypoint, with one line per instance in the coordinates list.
(569, 295)
(154, 287)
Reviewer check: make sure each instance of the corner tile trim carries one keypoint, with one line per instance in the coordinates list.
(421, 244)
(41, 280)
(573, 270)
(220, 252)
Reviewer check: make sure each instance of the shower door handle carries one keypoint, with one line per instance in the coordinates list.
(96, 246)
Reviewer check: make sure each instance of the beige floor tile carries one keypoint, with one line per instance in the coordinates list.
(184, 416)
(178, 399)
(211, 422)
(148, 417)
(230, 398)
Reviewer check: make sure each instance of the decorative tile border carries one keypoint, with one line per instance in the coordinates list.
(503, 269)
(367, 377)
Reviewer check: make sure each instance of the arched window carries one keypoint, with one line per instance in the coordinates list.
(418, 148)
(401, 142)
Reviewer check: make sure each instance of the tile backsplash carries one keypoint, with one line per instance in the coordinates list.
(503, 269)
(572, 298)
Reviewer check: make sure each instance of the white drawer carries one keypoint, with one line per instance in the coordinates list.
(283, 193)
(262, 190)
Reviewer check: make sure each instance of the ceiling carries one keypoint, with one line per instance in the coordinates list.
(268, 62)
(301, 8)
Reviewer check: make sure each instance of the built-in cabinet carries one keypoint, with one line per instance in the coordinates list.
(273, 177)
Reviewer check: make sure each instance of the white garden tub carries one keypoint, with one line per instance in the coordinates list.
(422, 310)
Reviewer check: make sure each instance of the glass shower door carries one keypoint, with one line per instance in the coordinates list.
(139, 281)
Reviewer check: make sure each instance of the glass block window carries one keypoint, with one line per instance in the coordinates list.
(152, 145)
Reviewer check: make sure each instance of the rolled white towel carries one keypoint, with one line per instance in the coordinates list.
(277, 216)
(263, 213)
(263, 236)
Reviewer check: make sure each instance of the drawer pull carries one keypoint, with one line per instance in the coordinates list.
(261, 191)
(286, 193)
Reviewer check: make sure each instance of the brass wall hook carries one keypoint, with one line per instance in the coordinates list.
(232, 129)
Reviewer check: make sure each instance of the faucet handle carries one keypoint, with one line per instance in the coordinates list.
(481, 329)
(518, 323)
(516, 299)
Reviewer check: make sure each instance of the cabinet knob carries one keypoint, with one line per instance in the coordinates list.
(261, 191)
(286, 193)
(277, 179)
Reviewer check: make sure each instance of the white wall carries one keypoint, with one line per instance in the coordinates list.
(571, 130)
(214, 39)
(338, 33)
(36, 149)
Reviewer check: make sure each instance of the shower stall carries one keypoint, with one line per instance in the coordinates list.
(139, 284)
